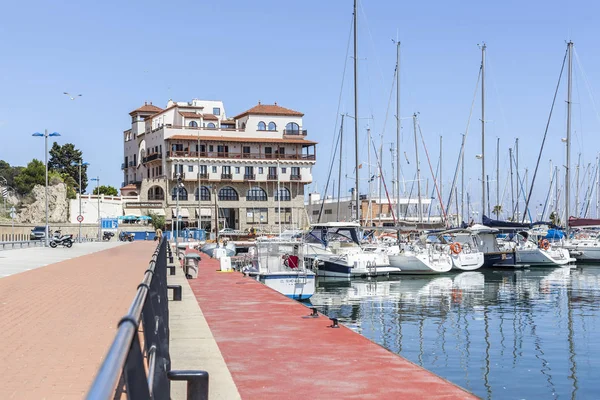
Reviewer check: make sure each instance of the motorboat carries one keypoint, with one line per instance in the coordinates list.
(280, 266)
(334, 249)
(584, 246)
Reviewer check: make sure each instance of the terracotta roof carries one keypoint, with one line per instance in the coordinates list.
(269, 109)
(208, 117)
(147, 108)
(240, 139)
(128, 187)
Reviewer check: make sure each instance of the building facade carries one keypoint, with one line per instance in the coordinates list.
(226, 167)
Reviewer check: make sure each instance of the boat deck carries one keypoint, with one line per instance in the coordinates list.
(274, 352)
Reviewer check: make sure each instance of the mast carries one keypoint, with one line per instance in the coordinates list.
(462, 180)
(420, 210)
(441, 169)
(398, 128)
(518, 178)
(577, 186)
(568, 171)
(340, 169)
(556, 194)
(597, 184)
(369, 215)
(356, 191)
(498, 178)
(512, 186)
(483, 129)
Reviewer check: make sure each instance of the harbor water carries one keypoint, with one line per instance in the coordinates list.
(501, 334)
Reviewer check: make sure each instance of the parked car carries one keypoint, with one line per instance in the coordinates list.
(38, 233)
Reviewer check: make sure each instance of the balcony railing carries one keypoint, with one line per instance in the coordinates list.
(131, 163)
(297, 132)
(272, 177)
(204, 175)
(250, 177)
(123, 165)
(295, 177)
(156, 197)
(226, 177)
(232, 155)
(152, 157)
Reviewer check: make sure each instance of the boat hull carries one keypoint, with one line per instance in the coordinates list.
(499, 259)
(467, 261)
(297, 286)
(411, 264)
(543, 258)
(585, 253)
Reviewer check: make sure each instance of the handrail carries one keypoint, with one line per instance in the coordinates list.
(22, 243)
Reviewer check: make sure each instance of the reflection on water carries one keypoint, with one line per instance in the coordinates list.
(523, 334)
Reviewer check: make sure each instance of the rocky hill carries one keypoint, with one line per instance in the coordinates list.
(58, 205)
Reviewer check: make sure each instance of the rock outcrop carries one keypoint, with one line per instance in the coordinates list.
(58, 205)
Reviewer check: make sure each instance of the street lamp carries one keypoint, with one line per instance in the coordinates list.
(178, 187)
(45, 135)
(79, 164)
(97, 180)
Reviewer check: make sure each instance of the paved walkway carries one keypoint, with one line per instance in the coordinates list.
(19, 260)
(58, 321)
(274, 353)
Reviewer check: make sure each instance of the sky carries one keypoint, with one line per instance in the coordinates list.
(120, 54)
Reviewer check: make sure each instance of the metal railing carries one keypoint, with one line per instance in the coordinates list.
(134, 371)
(22, 243)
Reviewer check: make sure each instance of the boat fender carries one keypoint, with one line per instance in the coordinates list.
(455, 248)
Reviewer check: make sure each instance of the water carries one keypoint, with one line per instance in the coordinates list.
(501, 334)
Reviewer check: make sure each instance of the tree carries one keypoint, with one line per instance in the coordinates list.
(61, 160)
(158, 221)
(28, 177)
(7, 172)
(106, 190)
(554, 218)
(497, 210)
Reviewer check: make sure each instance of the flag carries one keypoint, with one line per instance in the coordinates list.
(359, 166)
(4, 192)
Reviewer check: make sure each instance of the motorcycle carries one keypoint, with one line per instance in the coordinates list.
(106, 236)
(59, 239)
(126, 237)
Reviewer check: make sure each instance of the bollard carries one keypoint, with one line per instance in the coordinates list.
(197, 383)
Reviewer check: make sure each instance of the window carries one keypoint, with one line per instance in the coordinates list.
(260, 170)
(246, 151)
(203, 169)
(223, 149)
(283, 170)
(156, 193)
(210, 125)
(178, 169)
(272, 126)
(243, 125)
(211, 148)
(214, 169)
(295, 171)
(228, 194)
(328, 211)
(190, 168)
(201, 148)
(204, 193)
(282, 150)
(183, 194)
(284, 195)
(315, 212)
(257, 215)
(249, 171)
(256, 194)
(237, 170)
(177, 147)
(216, 111)
(268, 152)
(292, 127)
(285, 215)
(262, 126)
(193, 124)
(226, 169)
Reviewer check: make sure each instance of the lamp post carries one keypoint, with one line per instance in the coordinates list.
(45, 135)
(97, 180)
(80, 164)
(178, 186)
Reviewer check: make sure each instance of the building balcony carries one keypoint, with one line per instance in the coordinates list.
(204, 175)
(123, 165)
(295, 177)
(299, 132)
(240, 156)
(250, 177)
(156, 197)
(131, 163)
(272, 177)
(152, 157)
(226, 177)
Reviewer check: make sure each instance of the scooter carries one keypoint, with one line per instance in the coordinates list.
(59, 239)
(107, 235)
(126, 237)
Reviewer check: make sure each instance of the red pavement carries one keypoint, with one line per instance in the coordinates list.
(58, 321)
(273, 353)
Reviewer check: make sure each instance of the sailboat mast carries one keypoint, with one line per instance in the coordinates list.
(577, 186)
(340, 169)
(568, 172)
(441, 169)
(369, 216)
(356, 191)
(483, 129)
(512, 186)
(498, 178)
(420, 210)
(518, 176)
(398, 128)
(462, 180)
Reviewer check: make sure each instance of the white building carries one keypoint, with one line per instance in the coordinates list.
(233, 165)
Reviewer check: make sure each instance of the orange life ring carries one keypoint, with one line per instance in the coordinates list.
(456, 248)
(544, 244)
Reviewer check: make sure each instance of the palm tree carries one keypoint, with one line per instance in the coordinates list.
(497, 210)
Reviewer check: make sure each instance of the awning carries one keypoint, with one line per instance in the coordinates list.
(183, 212)
(133, 211)
(158, 211)
(206, 212)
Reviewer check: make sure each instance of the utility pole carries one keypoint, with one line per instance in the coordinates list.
(568, 172)
(483, 47)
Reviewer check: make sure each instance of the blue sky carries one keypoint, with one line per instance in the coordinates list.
(120, 54)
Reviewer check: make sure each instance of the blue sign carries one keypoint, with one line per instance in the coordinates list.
(110, 223)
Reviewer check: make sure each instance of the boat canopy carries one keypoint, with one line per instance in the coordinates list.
(579, 222)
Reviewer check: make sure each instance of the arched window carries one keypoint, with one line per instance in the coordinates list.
(156, 193)
(256, 194)
(183, 194)
(292, 127)
(204, 193)
(210, 125)
(228, 194)
(193, 124)
(262, 126)
(284, 194)
(272, 126)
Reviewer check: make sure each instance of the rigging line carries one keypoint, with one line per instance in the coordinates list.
(437, 189)
(548, 195)
(412, 186)
(437, 169)
(579, 135)
(587, 84)
(384, 184)
(462, 149)
(329, 176)
(562, 68)
(491, 77)
(588, 192)
(372, 41)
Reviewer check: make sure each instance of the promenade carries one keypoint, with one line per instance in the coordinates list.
(58, 320)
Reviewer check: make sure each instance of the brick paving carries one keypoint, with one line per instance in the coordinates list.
(58, 321)
(274, 353)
